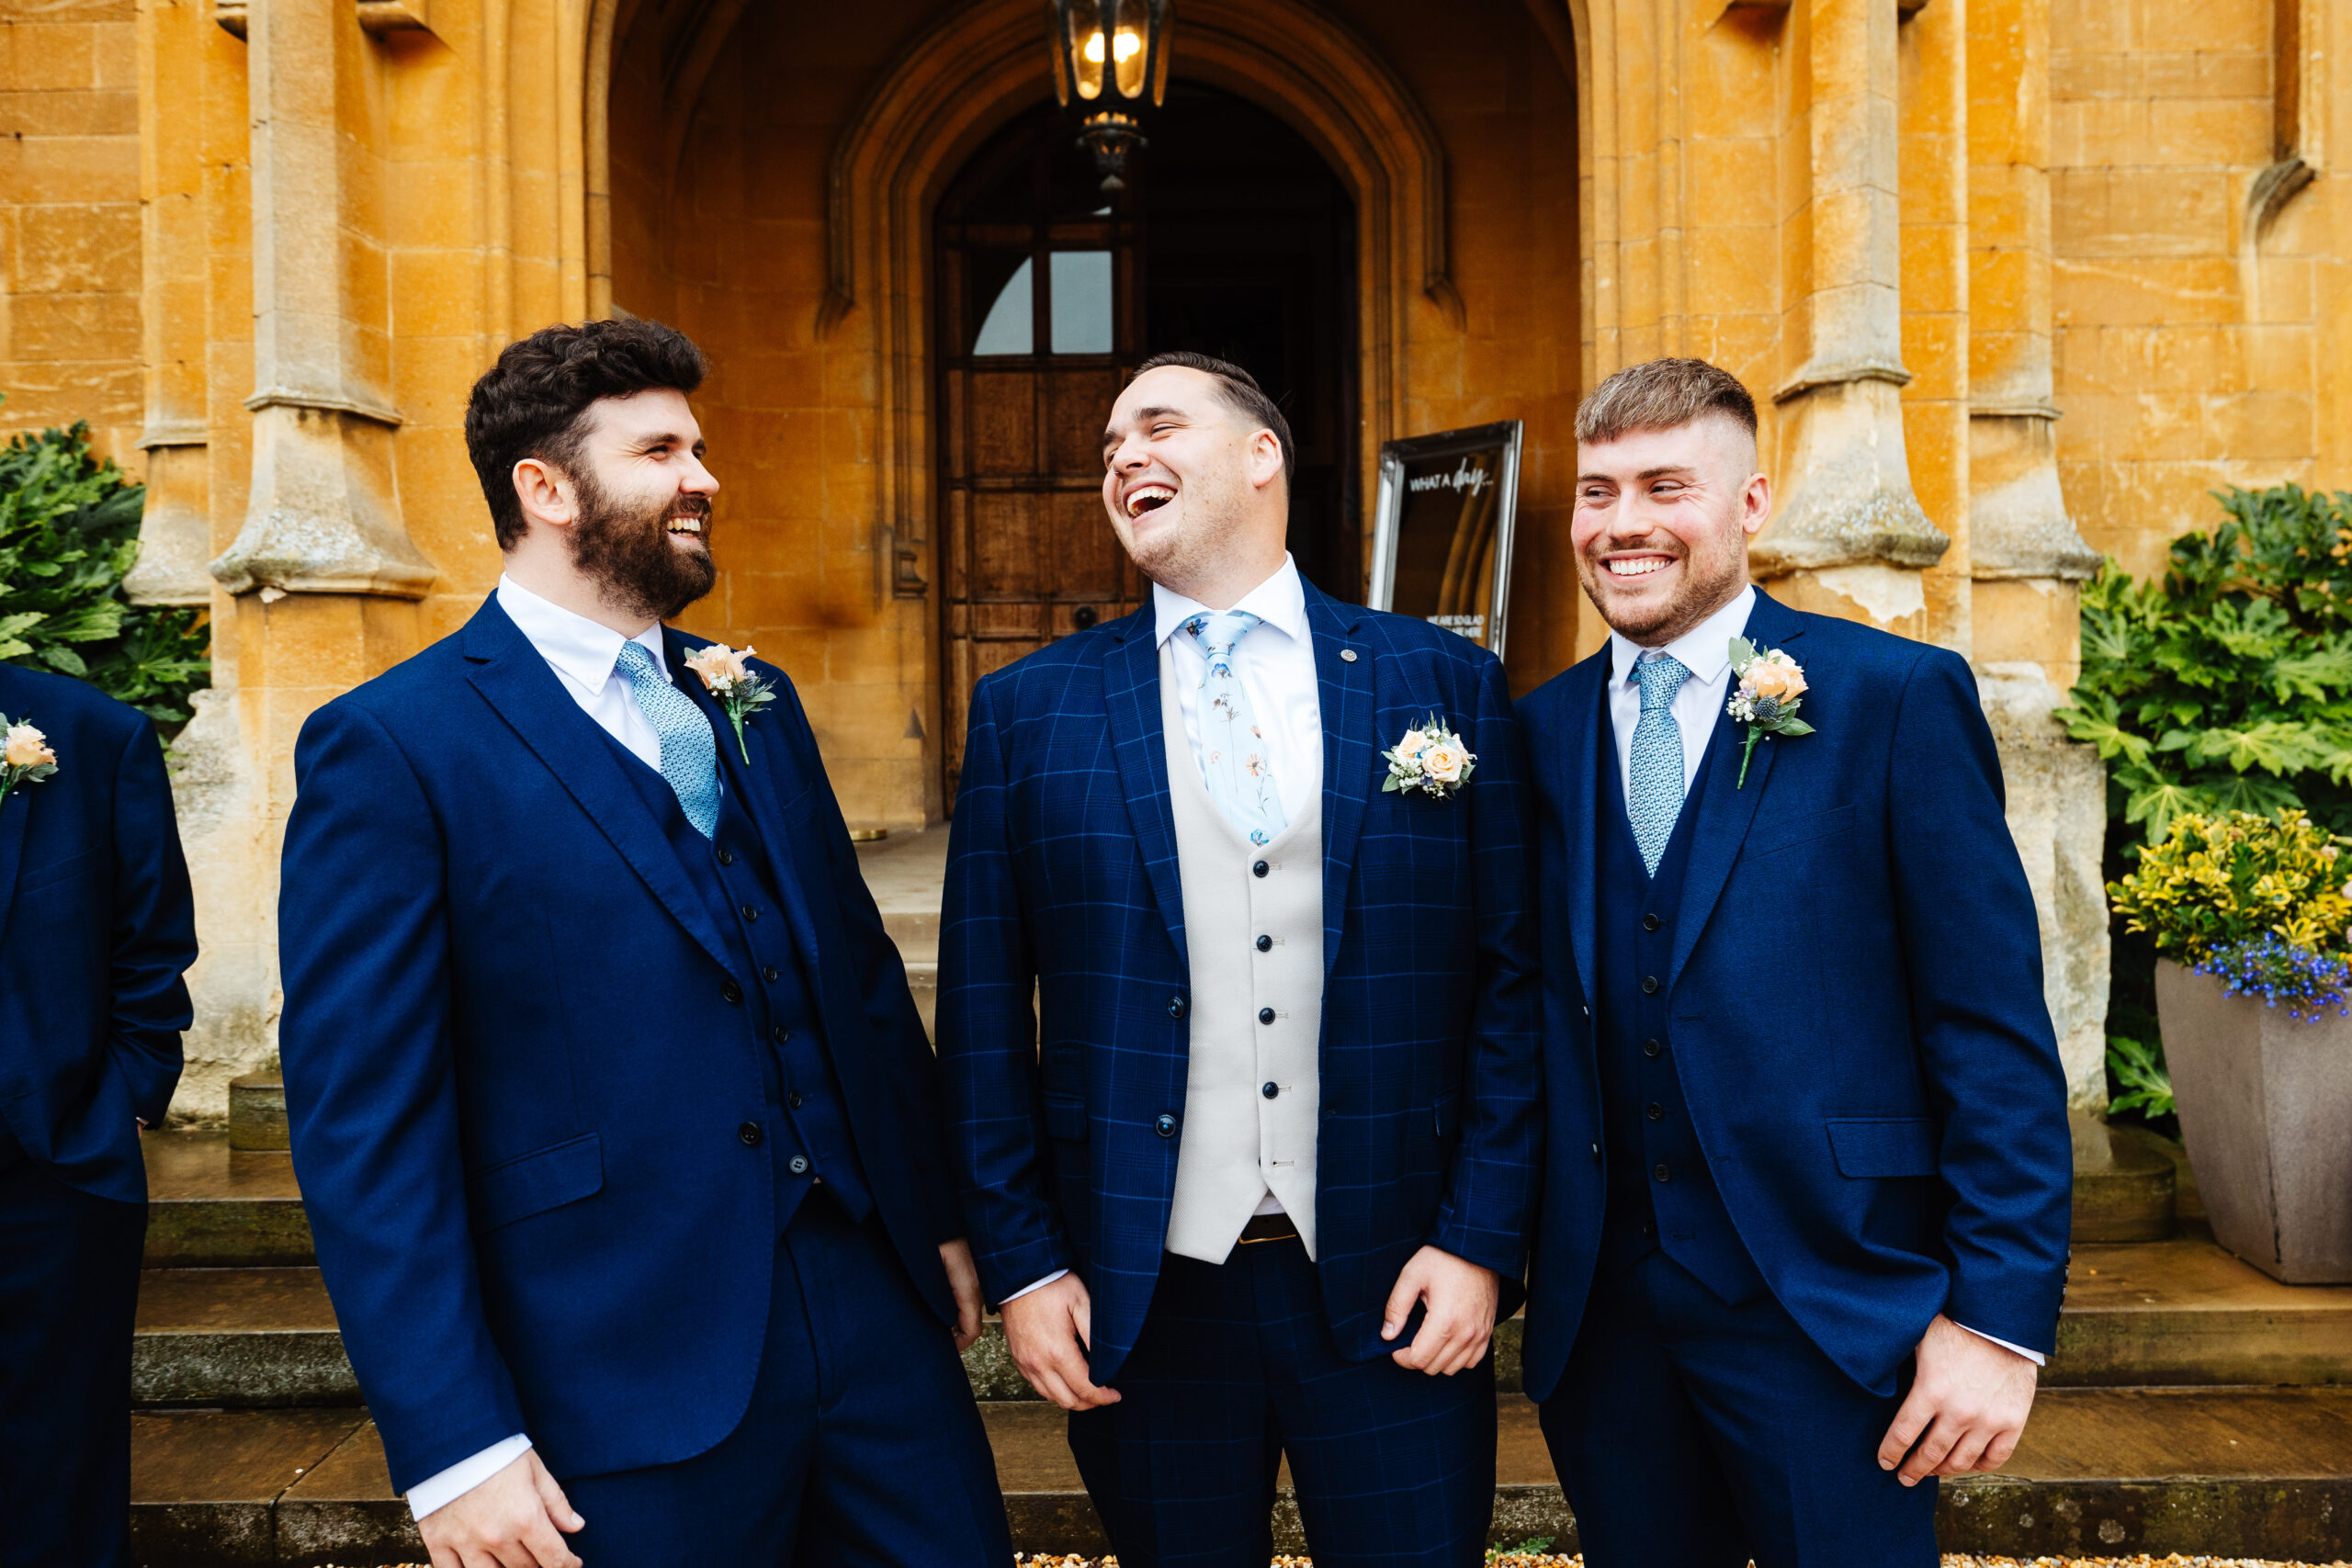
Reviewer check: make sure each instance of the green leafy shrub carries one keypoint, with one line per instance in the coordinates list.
(2219, 882)
(69, 531)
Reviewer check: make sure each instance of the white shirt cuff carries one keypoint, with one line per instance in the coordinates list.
(438, 1491)
(1035, 1285)
(2034, 1356)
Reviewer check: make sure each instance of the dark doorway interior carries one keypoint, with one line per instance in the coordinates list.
(1233, 238)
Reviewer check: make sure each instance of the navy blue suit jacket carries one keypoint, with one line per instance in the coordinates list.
(515, 1074)
(1857, 1007)
(1062, 877)
(96, 928)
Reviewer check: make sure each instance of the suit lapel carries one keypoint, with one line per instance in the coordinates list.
(1344, 696)
(1131, 696)
(1727, 808)
(515, 681)
(1586, 703)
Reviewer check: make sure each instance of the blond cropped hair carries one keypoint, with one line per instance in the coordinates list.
(1662, 394)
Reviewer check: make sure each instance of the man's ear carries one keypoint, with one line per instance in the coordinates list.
(545, 492)
(1755, 505)
(1265, 460)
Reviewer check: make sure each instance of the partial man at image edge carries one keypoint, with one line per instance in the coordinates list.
(1805, 1207)
(97, 929)
(617, 1125)
(1266, 1187)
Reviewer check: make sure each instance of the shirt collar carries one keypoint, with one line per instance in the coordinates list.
(584, 650)
(1704, 650)
(1280, 601)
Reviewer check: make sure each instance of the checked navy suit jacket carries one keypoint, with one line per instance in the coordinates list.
(1062, 879)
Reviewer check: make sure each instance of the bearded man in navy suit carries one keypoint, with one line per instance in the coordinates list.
(1805, 1211)
(96, 928)
(615, 1119)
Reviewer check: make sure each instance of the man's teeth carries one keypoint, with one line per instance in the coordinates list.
(1638, 566)
(1149, 495)
(686, 524)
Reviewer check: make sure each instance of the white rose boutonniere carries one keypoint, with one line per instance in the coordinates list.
(1771, 685)
(728, 676)
(25, 755)
(1430, 758)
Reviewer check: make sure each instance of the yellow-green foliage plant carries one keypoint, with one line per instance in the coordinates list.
(2214, 884)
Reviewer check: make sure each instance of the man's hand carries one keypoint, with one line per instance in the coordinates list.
(1462, 1299)
(1048, 1332)
(508, 1521)
(964, 1280)
(1969, 1400)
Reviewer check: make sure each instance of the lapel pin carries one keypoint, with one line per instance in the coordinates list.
(1348, 655)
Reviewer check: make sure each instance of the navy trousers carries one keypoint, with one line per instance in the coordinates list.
(862, 1446)
(1691, 1433)
(69, 1288)
(1235, 1370)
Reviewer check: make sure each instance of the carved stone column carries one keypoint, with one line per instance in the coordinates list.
(1849, 531)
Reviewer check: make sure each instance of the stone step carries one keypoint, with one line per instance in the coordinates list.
(211, 1206)
(2185, 1313)
(2255, 1473)
(2125, 1183)
(239, 1338)
(257, 1112)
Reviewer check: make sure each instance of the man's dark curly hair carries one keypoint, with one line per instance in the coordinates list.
(531, 404)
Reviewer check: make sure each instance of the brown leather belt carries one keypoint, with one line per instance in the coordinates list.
(1268, 1227)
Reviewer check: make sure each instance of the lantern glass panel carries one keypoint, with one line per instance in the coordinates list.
(1129, 54)
(1089, 48)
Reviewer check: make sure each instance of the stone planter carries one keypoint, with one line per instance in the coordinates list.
(2265, 1111)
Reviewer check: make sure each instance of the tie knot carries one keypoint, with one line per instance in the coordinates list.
(1219, 633)
(1661, 676)
(634, 661)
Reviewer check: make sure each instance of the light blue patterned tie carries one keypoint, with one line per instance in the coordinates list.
(1239, 770)
(1656, 797)
(689, 752)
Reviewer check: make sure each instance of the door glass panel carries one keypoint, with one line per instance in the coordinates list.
(1008, 326)
(1081, 302)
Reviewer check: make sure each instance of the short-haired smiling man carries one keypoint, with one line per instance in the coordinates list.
(1805, 1202)
(1268, 1184)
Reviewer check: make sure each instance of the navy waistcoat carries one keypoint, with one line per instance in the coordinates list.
(805, 1130)
(1661, 1190)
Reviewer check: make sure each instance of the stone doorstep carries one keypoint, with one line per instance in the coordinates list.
(211, 1206)
(241, 1338)
(2126, 1182)
(2257, 1472)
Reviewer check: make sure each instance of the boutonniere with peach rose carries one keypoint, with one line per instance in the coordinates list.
(1771, 685)
(727, 675)
(25, 755)
(1430, 758)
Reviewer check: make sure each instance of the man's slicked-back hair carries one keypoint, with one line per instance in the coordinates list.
(1663, 394)
(532, 403)
(1241, 394)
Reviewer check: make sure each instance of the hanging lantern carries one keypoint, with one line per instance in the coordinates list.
(1111, 64)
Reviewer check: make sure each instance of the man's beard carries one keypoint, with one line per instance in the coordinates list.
(1707, 586)
(629, 556)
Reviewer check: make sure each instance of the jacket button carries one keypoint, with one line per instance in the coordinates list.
(1661, 1172)
(1651, 922)
(799, 1165)
(797, 1100)
(1164, 1124)
(768, 973)
(779, 1034)
(1175, 1007)
(1260, 869)
(1266, 944)
(731, 991)
(1649, 985)
(1654, 1111)
(1265, 1015)
(750, 913)
(1650, 1048)
(727, 857)
(1270, 1090)
(750, 1133)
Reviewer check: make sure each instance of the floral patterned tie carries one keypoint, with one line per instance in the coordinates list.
(1655, 798)
(1235, 761)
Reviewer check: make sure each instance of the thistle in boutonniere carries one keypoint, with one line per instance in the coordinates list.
(1430, 758)
(727, 674)
(24, 756)
(1771, 685)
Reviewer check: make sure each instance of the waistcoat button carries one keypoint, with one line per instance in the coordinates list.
(1260, 869)
(1175, 1007)
(750, 1133)
(779, 1034)
(1596, 1154)
(797, 1100)
(1270, 1091)
(1651, 922)
(1650, 1048)
(1266, 944)
(768, 973)
(727, 857)
(1164, 1124)
(799, 1165)
(731, 991)
(750, 913)
(1662, 1173)
(1654, 1111)
(1649, 985)
(1265, 1015)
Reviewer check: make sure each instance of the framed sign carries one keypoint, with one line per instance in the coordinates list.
(1442, 529)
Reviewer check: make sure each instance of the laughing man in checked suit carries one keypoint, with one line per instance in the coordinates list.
(1267, 1186)
(1805, 1205)
(617, 1125)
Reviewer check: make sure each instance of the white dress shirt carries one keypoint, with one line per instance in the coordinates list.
(1275, 664)
(584, 655)
(1706, 652)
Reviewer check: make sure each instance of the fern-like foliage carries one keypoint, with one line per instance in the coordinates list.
(69, 531)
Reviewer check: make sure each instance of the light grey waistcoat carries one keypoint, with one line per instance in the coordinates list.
(1237, 1143)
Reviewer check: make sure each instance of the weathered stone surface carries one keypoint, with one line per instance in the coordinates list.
(2187, 1314)
(257, 1112)
(2124, 1182)
(211, 1206)
(240, 1338)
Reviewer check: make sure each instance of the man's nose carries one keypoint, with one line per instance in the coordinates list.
(699, 480)
(1129, 456)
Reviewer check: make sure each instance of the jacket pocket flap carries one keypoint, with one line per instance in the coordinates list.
(533, 1184)
(1897, 1145)
(1771, 839)
(1066, 1119)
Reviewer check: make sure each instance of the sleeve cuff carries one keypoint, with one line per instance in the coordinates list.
(438, 1491)
(1035, 1285)
(2036, 1357)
